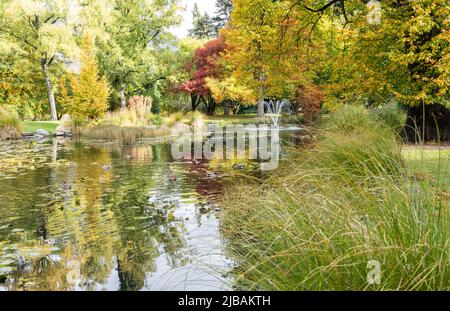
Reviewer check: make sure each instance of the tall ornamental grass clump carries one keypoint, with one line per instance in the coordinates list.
(330, 212)
(122, 134)
(11, 126)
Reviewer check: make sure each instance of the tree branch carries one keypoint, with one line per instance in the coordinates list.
(323, 8)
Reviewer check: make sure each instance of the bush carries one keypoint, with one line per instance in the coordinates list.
(154, 119)
(76, 124)
(393, 116)
(11, 126)
(140, 105)
(328, 211)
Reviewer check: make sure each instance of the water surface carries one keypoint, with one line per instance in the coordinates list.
(99, 216)
(77, 216)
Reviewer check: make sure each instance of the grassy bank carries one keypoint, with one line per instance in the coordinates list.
(329, 211)
(429, 163)
(33, 126)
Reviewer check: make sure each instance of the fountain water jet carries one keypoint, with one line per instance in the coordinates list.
(274, 109)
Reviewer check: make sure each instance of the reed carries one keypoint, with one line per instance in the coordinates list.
(317, 222)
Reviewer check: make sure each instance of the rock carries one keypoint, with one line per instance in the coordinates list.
(203, 210)
(62, 131)
(41, 132)
(65, 118)
(27, 134)
(211, 175)
(239, 166)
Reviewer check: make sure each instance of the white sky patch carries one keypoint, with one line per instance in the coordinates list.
(205, 6)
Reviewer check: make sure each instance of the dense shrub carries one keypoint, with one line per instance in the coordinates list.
(393, 116)
(309, 99)
(10, 124)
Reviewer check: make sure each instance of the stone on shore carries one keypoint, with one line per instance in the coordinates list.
(41, 132)
(62, 130)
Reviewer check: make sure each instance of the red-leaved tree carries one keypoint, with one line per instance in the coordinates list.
(204, 64)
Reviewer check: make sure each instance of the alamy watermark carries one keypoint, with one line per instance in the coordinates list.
(374, 275)
(241, 142)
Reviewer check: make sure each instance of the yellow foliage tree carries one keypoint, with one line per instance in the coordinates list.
(229, 92)
(89, 93)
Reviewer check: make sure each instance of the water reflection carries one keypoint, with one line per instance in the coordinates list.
(75, 216)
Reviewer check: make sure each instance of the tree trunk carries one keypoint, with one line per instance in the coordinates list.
(431, 124)
(195, 99)
(210, 105)
(123, 97)
(261, 113)
(51, 95)
(226, 108)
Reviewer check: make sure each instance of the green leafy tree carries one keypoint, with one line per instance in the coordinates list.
(21, 85)
(138, 31)
(43, 31)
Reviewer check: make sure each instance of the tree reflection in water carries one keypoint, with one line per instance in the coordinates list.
(75, 216)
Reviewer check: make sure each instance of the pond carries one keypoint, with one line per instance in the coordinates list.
(97, 216)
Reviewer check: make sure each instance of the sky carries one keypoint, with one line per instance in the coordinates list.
(205, 6)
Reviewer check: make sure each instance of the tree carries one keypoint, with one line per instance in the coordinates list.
(223, 14)
(173, 67)
(229, 92)
(203, 25)
(20, 84)
(88, 93)
(268, 48)
(137, 31)
(204, 64)
(43, 31)
(403, 57)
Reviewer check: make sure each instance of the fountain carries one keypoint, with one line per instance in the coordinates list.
(274, 110)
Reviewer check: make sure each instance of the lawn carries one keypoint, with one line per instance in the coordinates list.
(49, 126)
(429, 161)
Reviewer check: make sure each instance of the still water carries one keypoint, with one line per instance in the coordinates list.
(86, 216)
(75, 216)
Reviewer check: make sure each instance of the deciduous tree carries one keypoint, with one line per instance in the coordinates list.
(88, 95)
(43, 31)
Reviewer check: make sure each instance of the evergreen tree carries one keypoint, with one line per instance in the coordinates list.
(203, 25)
(223, 14)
